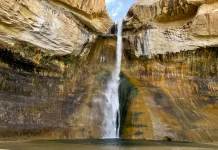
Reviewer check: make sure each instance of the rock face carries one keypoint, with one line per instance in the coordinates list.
(58, 27)
(176, 97)
(172, 26)
(171, 59)
(51, 68)
(56, 97)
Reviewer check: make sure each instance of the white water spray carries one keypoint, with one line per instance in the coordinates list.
(111, 122)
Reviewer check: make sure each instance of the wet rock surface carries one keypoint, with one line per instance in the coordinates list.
(177, 97)
(54, 97)
(171, 57)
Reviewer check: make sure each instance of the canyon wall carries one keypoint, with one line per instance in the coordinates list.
(56, 58)
(53, 68)
(176, 97)
(171, 59)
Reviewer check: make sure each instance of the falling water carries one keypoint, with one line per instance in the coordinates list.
(111, 122)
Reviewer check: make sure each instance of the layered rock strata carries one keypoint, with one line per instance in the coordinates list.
(57, 27)
(171, 56)
(172, 26)
(58, 97)
(53, 67)
(176, 97)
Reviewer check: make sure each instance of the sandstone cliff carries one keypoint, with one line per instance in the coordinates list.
(62, 27)
(171, 58)
(51, 71)
(172, 26)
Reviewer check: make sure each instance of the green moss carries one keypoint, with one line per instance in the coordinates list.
(16, 61)
(66, 59)
(102, 76)
(201, 62)
(127, 92)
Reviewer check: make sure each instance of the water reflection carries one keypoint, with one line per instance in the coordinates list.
(103, 145)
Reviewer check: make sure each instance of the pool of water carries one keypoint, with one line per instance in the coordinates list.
(112, 144)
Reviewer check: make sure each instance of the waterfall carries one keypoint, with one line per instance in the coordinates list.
(111, 122)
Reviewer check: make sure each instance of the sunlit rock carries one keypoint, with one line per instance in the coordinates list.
(52, 26)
